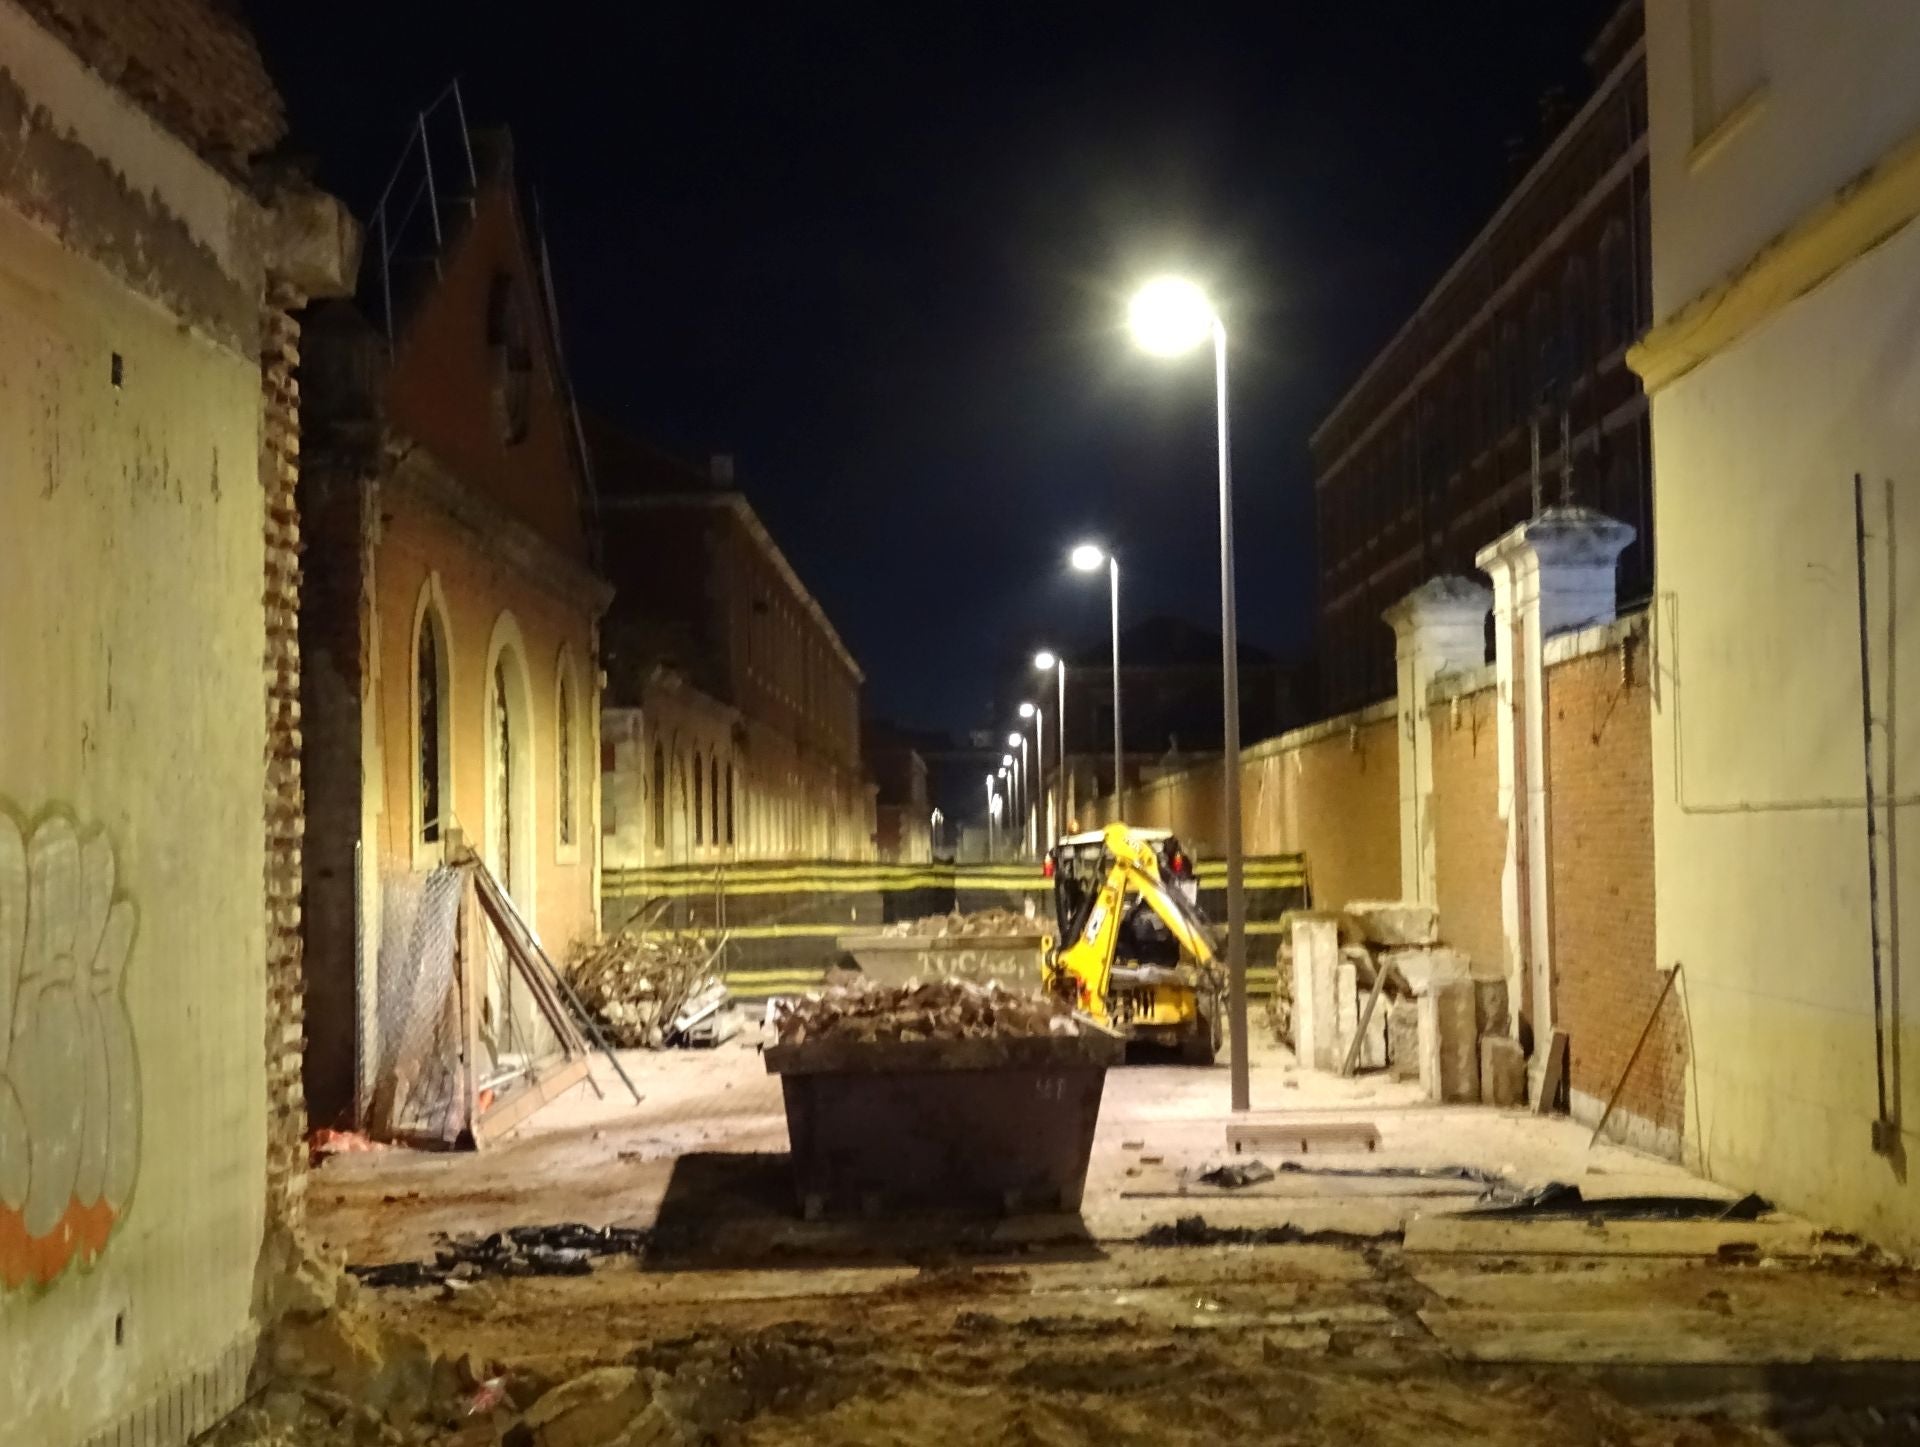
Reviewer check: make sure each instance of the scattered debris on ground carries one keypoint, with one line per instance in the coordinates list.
(564, 1250)
(1195, 1231)
(937, 1010)
(650, 990)
(981, 924)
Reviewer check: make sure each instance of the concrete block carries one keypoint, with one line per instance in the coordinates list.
(1503, 1071)
(1449, 1046)
(1421, 965)
(1350, 998)
(1316, 959)
(1395, 922)
(1403, 1040)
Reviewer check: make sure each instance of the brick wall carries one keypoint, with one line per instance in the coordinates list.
(1599, 754)
(192, 64)
(1469, 838)
(1340, 806)
(284, 805)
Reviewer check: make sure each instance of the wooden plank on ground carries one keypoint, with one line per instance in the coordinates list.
(1663, 1336)
(1508, 1236)
(1284, 1138)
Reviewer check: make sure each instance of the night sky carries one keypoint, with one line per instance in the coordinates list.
(880, 253)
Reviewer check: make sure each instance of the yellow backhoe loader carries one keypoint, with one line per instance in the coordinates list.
(1134, 952)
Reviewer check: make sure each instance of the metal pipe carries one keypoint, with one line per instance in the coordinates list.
(1883, 1132)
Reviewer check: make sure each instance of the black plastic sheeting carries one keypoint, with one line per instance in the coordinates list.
(568, 1249)
(1559, 1201)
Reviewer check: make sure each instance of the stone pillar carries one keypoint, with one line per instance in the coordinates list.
(1554, 574)
(1440, 627)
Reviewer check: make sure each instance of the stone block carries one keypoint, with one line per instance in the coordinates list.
(593, 1410)
(1350, 998)
(1395, 922)
(1503, 1071)
(1421, 965)
(1316, 959)
(1403, 1040)
(1449, 1045)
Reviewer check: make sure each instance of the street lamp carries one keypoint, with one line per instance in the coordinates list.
(1042, 661)
(1087, 558)
(1039, 717)
(1023, 800)
(1169, 317)
(993, 813)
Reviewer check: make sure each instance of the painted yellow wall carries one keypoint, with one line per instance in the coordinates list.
(131, 701)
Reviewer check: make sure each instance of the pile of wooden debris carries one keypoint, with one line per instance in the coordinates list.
(938, 1010)
(982, 924)
(649, 991)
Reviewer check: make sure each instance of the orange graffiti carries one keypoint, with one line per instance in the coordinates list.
(78, 1236)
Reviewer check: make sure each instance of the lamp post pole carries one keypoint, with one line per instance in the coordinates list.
(1169, 317)
(1230, 757)
(1119, 784)
(1040, 763)
(991, 811)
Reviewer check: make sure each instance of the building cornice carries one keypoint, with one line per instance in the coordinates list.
(496, 532)
(1858, 217)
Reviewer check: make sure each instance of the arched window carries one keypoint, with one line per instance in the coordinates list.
(699, 802)
(564, 756)
(659, 796)
(713, 797)
(430, 672)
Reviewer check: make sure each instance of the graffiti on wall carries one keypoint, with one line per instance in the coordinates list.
(69, 1083)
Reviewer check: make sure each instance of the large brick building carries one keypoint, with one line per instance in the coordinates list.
(152, 268)
(1430, 454)
(732, 715)
(451, 690)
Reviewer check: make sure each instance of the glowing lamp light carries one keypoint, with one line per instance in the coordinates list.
(1026, 710)
(1087, 557)
(1169, 316)
(1013, 742)
(1044, 660)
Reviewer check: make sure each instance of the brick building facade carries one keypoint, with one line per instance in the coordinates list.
(710, 621)
(1430, 454)
(152, 269)
(451, 633)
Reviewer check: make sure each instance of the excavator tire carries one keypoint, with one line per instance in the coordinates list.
(1203, 1044)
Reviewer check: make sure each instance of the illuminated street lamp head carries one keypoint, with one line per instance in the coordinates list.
(1170, 315)
(1087, 557)
(1044, 660)
(1026, 710)
(1013, 741)
(1006, 760)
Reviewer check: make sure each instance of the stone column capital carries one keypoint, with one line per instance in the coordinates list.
(1445, 601)
(1565, 559)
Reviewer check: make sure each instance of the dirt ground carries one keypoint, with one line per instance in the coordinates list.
(1351, 1308)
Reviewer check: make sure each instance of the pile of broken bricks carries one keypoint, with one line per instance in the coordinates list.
(1377, 972)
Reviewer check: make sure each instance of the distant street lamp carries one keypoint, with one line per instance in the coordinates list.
(1087, 558)
(1024, 801)
(993, 813)
(1039, 717)
(1042, 661)
(1169, 317)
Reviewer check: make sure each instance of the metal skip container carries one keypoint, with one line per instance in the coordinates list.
(996, 1126)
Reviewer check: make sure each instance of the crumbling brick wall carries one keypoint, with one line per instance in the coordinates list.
(1469, 837)
(284, 804)
(191, 64)
(1600, 762)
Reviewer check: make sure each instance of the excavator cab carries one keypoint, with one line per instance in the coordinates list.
(1134, 952)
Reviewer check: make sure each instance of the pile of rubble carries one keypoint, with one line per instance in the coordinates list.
(937, 1010)
(568, 1249)
(649, 991)
(982, 924)
(1377, 971)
